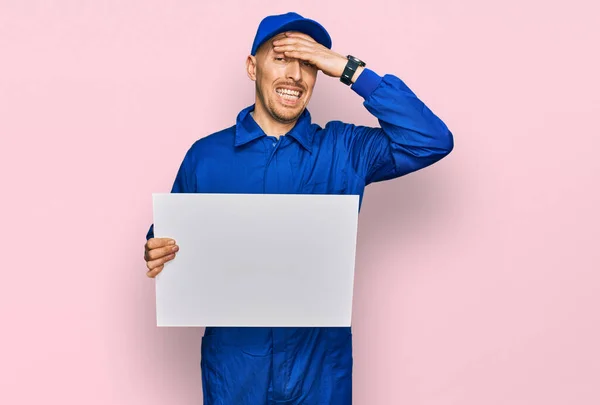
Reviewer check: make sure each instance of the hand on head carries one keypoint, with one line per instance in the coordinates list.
(301, 46)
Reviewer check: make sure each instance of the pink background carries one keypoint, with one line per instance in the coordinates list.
(477, 278)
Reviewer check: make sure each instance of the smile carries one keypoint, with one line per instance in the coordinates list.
(288, 94)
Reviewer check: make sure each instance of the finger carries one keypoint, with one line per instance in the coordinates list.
(152, 264)
(300, 35)
(154, 272)
(154, 243)
(160, 252)
(293, 48)
(295, 41)
(303, 56)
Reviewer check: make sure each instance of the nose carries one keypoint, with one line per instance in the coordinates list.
(293, 70)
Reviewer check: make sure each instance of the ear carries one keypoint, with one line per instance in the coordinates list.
(251, 67)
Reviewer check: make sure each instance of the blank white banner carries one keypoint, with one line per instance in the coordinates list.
(257, 259)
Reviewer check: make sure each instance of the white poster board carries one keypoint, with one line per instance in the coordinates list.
(257, 259)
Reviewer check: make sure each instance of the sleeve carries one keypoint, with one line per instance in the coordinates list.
(410, 138)
(185, 181)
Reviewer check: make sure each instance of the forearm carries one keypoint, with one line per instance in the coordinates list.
(411, 136)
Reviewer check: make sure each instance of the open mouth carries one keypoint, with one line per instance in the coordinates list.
(289, 95)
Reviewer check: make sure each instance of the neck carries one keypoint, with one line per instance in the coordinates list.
(268, 124)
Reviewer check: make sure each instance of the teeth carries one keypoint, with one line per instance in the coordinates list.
(286, 92)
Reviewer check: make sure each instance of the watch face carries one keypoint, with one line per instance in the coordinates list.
(355, 59)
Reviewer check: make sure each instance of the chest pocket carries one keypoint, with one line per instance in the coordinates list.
(326, 183)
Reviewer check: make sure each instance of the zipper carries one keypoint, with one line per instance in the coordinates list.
(275, 146)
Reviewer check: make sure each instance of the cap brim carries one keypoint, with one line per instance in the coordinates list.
(309, 27)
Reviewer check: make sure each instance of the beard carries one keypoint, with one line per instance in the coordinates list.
(283, 114)
(280, 113)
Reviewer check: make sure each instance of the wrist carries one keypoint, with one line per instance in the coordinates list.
(341, 65)
(352, 70)
(359, 70)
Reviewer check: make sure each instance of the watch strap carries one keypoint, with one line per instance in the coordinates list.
(350, 69)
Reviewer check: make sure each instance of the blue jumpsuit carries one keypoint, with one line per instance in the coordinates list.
(311, 366)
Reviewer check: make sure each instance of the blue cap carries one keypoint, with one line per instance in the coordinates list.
(276, 24)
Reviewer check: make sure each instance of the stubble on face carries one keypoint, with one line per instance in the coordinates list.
(272, 76)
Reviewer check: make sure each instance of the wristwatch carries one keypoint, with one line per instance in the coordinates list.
(351, 66)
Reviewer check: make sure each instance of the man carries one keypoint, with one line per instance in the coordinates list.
(274, 148)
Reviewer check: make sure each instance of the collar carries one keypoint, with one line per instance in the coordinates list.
(246, 129)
